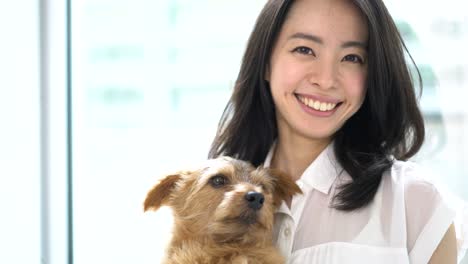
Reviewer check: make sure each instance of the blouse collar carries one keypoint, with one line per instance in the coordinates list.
(320, 174)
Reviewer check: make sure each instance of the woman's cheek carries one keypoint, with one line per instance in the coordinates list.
(286, 74)
(357, 87)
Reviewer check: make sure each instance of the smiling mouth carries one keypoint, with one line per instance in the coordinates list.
(317, 105)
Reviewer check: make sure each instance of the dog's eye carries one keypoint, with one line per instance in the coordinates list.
(218, 181)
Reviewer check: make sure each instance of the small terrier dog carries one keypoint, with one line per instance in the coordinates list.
(223, 212)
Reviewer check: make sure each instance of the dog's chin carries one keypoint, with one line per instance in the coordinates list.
(235, 229)
(240, 234)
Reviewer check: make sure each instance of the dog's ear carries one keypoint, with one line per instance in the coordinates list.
(284, 186)
(161, 192)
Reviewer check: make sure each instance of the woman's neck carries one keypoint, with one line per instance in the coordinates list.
(294, 154)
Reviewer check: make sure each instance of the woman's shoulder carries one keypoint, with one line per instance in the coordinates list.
(413, 176)
(416, 186)
(411, 184)
(423, 205)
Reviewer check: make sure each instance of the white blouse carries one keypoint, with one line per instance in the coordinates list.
(403, 224)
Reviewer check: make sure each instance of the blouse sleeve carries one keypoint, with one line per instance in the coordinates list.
(429, 214)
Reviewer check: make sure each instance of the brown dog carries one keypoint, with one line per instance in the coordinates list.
(223, 212)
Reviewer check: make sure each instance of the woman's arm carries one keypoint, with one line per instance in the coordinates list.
(446, 252)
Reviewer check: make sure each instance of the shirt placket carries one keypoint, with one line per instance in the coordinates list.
(287, 236)
(288, 227)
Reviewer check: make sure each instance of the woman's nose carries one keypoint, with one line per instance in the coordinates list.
(323, 74)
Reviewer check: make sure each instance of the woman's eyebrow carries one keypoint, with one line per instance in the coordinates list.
(306, 36)
(357, 44)
(347, 44)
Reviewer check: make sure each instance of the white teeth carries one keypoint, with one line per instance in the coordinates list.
(317, 105)
(323, 107)
(320, 106)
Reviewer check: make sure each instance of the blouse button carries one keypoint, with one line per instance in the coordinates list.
(287, 232)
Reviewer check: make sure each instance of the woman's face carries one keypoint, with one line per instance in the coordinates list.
(318, 68)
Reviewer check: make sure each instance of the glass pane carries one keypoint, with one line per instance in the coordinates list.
(19, 152)
(150, 81)
(437, 39)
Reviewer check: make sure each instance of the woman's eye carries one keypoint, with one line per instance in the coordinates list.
(304, 50)
(353, 58)
(218, 181)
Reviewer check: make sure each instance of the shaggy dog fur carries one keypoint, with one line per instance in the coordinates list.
(223, 212)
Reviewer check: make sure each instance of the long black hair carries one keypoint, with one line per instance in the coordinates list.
(388, 125)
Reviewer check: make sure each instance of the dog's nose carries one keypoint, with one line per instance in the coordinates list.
(255, 200)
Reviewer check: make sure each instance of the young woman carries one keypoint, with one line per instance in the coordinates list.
(324, 94)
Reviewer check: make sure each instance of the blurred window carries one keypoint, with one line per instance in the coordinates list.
(20, 228)
(151, 79)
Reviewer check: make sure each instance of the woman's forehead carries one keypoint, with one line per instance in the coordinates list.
(338, 18)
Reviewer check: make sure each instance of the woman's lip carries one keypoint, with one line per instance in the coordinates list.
(319, 98)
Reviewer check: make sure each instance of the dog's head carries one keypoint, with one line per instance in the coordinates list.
(228, 199)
